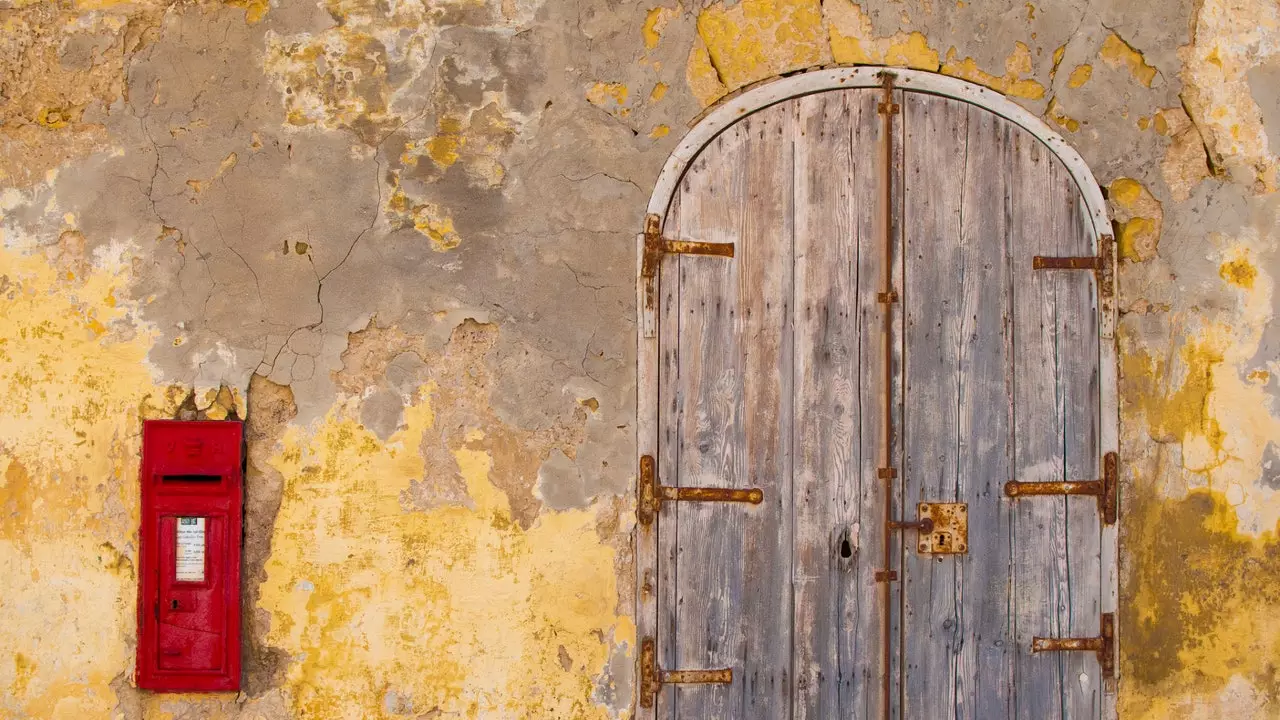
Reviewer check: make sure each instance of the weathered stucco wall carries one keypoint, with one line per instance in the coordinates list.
(396, 237)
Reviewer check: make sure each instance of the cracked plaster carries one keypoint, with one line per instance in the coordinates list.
(397, 237)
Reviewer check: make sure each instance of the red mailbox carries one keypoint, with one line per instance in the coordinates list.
(189, 576)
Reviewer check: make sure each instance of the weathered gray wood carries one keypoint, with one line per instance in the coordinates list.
(708, 629)
(765, 329)
(958, 407)
(1056, 539)
(1039, 538)
(838, 542)
(670, 401)
(935, 134)
(996, 378)
(1078, 321)
(734, 601)
(898, 545)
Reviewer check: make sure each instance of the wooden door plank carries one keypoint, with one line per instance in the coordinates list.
(983, 676)
(708, 630)
(933, 129)
(1056, 539)
(670, 400)
(1042, 589)
(733, 598)
(766, 329)
(836, 428)
(1078, 321)
(958, 408)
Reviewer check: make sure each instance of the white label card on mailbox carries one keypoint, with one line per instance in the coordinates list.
(190, 556)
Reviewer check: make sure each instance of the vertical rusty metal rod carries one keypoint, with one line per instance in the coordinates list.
(887, 298)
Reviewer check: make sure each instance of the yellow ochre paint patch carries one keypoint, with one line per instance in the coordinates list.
(654, 23)
(432, 221)
(254, 10)
(1014, 82)
(1116, 52)
(457, 609)
(1062, 119)
(853, 41)
(755, 39)
(1239, 271)
(1079, 76)
(1200, 615)
(610, 97)
(1181, 415)
(74, 391)
(1139, 218)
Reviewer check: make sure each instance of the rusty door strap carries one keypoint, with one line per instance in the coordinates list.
(1104, 489)
(887, 297)
(1101, 264)
(655, 246)
(653, 495)
(1103, 645)
(652, 677)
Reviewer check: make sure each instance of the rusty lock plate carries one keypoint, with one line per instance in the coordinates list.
(948, 528)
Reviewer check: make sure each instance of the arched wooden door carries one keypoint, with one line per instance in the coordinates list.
(795, 558)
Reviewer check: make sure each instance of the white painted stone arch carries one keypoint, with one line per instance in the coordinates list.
(736, 107)
(743, 103)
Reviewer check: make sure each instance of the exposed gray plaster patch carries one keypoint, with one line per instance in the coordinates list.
(1264, 85)
(382, 412)
(560, 483)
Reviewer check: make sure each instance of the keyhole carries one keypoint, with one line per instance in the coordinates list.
(173, 604)
(846, 547)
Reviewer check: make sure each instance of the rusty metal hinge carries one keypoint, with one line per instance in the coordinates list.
(1103, 644)
(887, 106)
(655, 246)
(1104, 489)
(652, 677)
(1102, 264)
(652, 494)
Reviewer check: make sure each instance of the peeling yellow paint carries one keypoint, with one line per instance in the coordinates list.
(654, 23)
(456, 609)
(755, 39)
(431, 220)
(1139, 218)
(1230, 39)
(1239, 271)
(611, 97)
(41, 118)
(1060, 118)
(1116, 52)
(854, 42)
(477, 138)
(1079, 76)
(660, 131)
(336, 79)
(659, 91)
(74, 372)
(1014, 82)
(1201, 607)
(1200, 401)
(704, 82)
(254, 10)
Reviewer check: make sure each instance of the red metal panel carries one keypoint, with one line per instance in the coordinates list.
(189, 545)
